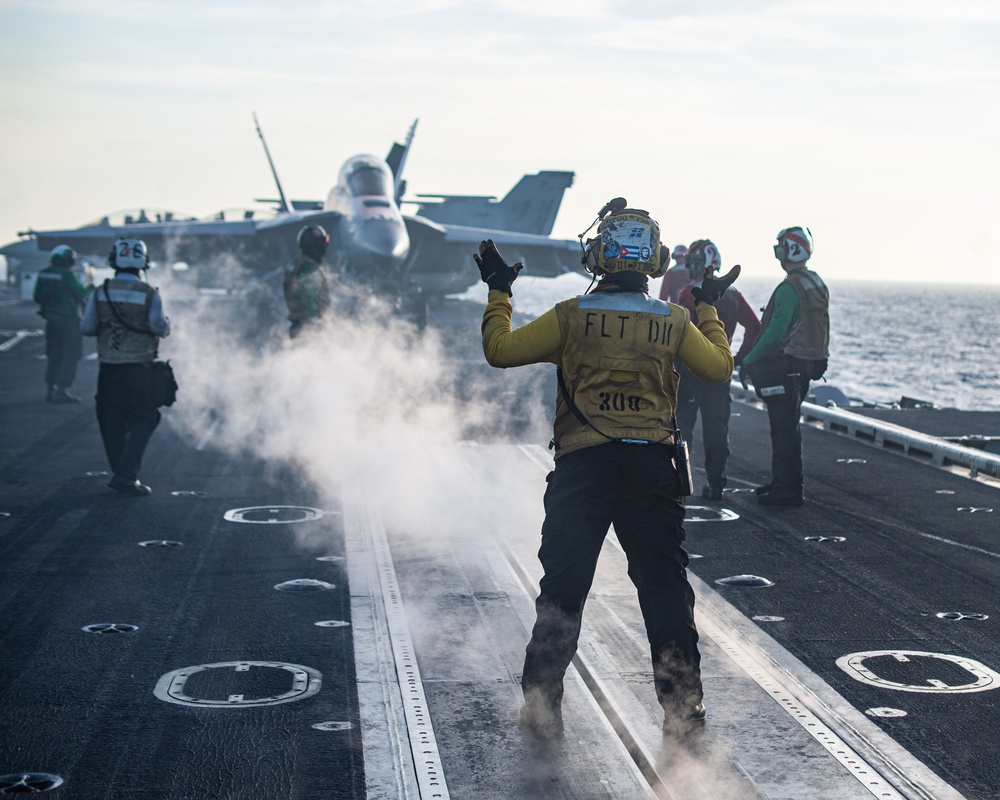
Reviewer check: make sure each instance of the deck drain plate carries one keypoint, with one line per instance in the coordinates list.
(188, 493)
(160, 543)
(748, 581)
(329, 558)
(957, 615)
(332, 726)
(767, 618)
(273, 515)
(887, 713)
(304, 585)
(110, 627)
(826, 538)
(242, 684)
(28, 782)
(332, 623)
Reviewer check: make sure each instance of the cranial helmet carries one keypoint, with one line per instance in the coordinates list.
(129, 254)
(628, 240)
(794, 244)
(313, 240)
(680, 253)
(702, 255)
(62, 256)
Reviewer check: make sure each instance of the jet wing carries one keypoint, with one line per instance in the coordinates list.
(259, 245)
(441, 255)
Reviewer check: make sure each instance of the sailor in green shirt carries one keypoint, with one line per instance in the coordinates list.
(60, 296)
(307, 292)
(792, 349)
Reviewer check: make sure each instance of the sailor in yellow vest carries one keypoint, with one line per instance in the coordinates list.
(126, 315)
(60, 295)
(614, 434)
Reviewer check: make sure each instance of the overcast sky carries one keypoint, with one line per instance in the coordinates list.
(876, 123)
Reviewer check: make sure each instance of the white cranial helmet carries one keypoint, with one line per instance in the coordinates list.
(129, 254)
(794, 244)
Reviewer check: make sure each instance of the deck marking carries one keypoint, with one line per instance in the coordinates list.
(28, 782)
(964, 546)
(985, 678)
(17, 336)
(709, 514)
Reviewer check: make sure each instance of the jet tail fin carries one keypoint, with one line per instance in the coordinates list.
(532, 205)
(397, 160)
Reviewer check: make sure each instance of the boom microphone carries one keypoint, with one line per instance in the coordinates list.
(615, 204)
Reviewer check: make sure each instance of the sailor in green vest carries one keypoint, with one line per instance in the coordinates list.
(791, 350)
(615, 454)
(60, 296)
(126, 315)
(306, 289)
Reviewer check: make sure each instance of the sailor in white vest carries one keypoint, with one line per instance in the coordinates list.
(126, 315)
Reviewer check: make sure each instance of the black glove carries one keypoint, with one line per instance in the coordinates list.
(743, 377)
(712, 289)
(493, 269)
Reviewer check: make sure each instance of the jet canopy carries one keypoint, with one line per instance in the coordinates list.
(366, 175)
(139, 216)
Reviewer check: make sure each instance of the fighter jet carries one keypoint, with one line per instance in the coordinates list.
(372, 241)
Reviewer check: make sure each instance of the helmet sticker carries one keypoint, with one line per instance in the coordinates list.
(129, 254)
(629, 242)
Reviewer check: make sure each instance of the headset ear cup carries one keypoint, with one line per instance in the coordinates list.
(590, 256)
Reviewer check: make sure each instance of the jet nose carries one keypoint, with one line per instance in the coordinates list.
(385, 238)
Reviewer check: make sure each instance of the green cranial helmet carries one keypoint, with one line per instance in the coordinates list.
(62, 256)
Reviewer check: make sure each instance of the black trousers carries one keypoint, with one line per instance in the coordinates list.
(783, 411)
(636, 488)
(126, 415)
(63, 351)
(715, 404)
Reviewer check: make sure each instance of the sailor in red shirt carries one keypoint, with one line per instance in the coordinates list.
(712, 399)
(676, 278)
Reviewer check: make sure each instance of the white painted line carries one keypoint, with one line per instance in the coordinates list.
(367, 541)
(18, 336)
(973, 548)
(208, 434)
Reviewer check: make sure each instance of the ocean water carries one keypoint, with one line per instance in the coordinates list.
(932, 342)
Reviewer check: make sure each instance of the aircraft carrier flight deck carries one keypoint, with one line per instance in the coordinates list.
(248, 632)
